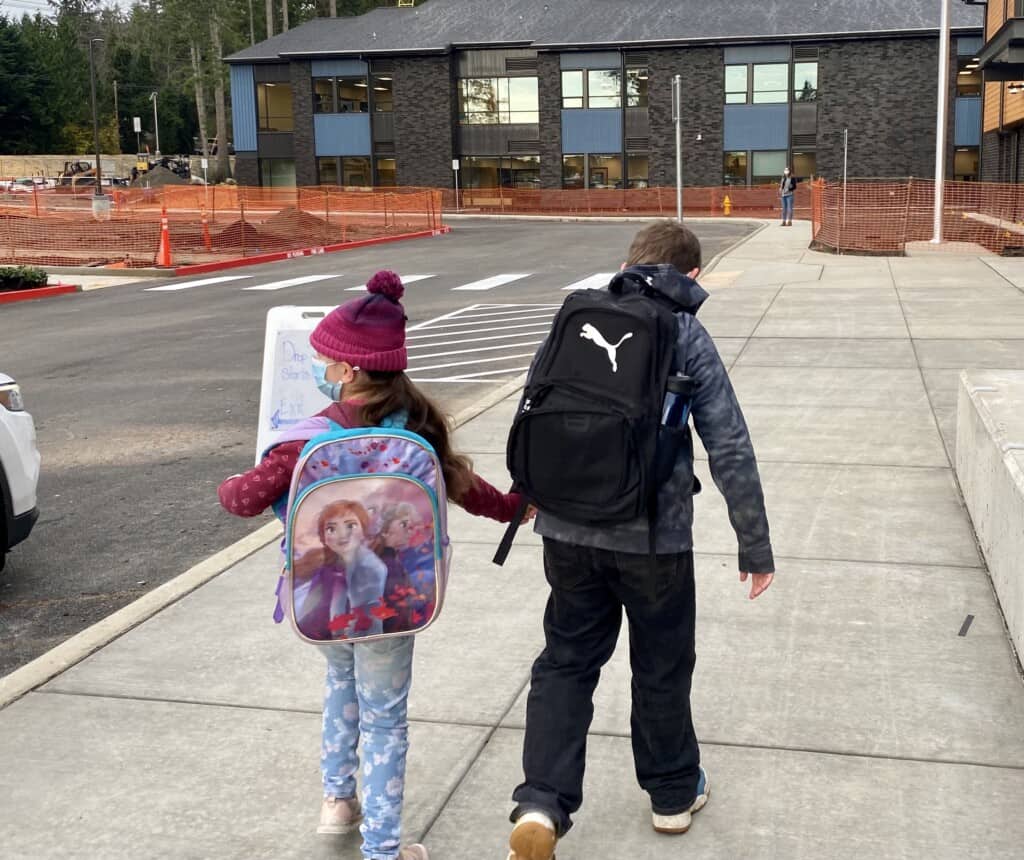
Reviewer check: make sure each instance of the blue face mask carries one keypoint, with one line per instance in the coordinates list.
(329, 389)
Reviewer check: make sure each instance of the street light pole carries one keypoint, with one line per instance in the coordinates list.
(940, 124)
(677, 115)
(95, 118)
(156, 124)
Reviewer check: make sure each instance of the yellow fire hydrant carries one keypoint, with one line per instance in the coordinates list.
(727, 206)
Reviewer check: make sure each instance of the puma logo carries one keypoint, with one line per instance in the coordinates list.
(592, 334)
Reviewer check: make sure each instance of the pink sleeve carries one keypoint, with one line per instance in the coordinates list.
(252, 492)
(483, 500)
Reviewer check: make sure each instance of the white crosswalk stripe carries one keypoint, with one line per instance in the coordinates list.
(406, 280)
(203, 282)
(291, 282)
(594, 282)
(491, 283)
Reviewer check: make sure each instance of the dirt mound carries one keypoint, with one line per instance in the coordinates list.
(295, 222)
(158, 177)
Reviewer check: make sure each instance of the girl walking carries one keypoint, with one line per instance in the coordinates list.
(360, 362)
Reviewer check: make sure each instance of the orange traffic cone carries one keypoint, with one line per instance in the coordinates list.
(163, 253)
(207, 241)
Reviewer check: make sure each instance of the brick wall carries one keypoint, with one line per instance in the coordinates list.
(549, 84)
(990, 167)
(703, 72)
(303, 141)
(247, 168)
(423, 121)
(884, 92)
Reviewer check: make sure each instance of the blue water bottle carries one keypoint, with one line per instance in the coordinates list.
(675, 409)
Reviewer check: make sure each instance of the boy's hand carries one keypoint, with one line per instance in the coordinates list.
(759, 582)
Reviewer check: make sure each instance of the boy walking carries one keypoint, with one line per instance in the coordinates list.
(596, 573)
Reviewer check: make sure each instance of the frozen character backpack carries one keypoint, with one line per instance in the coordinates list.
(366, 550)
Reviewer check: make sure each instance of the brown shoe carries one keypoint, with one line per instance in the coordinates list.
(533, 838)
(339, 815)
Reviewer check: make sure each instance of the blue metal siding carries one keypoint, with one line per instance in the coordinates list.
(243, 109)
(967, 127)
(586, 131)
(756, 127)
(758, 54)
(591, 60)
(333, 68)
(341, 134)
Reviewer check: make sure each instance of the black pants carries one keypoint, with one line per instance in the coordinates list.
(589, 589)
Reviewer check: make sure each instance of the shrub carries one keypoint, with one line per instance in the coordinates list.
(21, 278)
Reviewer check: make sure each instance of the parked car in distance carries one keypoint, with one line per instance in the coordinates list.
(19, 468)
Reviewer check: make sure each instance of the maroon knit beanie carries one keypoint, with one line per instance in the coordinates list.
(368, 332)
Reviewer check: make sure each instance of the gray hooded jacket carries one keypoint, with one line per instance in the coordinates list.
(719, 422)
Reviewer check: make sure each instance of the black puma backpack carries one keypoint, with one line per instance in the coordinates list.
(586, 444)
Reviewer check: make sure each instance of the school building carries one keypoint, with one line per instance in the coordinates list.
(1001, 61)
(578, 93)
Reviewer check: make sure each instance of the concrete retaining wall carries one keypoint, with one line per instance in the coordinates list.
(990, 466)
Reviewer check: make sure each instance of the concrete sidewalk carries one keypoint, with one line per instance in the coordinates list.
(848, 713)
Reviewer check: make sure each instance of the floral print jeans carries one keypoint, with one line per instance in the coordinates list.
(367, 695)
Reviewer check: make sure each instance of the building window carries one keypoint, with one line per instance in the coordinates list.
(493, 101)
(805, 82)
(516, 171)
(965, 164)
(323, 95)
(767, 167)
(274, 107)
(735, 168)
(736, 85)
(277, 172)
(771, 83)
(355, 172)
(572, 89)
(639, 170)
(339, 95)
(805, 164)
(327, 170)
(968, 78)
(637, 81)
(604, 171)
(574, 169)
(604, 88)
(383, 93)
(387, 174)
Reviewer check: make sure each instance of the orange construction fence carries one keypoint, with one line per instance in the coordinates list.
(884, 217)
(734, 200)
(205, 224)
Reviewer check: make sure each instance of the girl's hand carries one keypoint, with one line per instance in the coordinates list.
(531, 512)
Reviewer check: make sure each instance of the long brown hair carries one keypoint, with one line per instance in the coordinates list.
(382, 393)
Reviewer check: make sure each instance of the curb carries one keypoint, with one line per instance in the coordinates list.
(762, 225)
(72, 651)
(105, 271)
(38, 293)
(590, 219)
(312, 251)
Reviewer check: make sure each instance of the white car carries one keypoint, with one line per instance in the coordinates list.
(19, 468)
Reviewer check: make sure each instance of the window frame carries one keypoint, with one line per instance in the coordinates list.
(503, 114)
(646, 94)
(263, 108)
(784, 91)
(797, 94)
(745, 93)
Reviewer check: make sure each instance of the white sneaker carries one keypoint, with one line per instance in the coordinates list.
(680, 822)
(533, 838)
(339, 815)
(414, 852)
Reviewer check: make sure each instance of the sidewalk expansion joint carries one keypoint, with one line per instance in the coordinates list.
(240, 706)
(831, 752)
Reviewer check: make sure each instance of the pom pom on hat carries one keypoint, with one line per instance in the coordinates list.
(386, 283)
(368, 332)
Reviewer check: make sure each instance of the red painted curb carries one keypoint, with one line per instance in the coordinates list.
(37, 293)
(202, 268)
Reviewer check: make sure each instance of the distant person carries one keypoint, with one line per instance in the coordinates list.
(360, 365)
(787, 188)
(643, 566)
